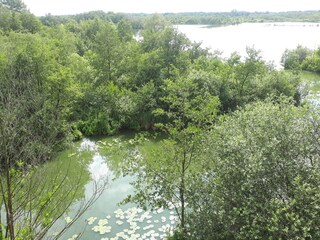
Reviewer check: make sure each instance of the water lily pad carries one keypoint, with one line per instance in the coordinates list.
(103, 222)
(119, 222)
(73, 237)
(160, 210)
(91, 220)
(102, 229)
(68, 219)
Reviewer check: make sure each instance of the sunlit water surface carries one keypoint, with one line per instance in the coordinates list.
(271, 38)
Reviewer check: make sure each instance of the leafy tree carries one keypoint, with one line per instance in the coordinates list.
(301, 58)
(5, 19)
(293, 59)
(125, 30)
(149, 68)
(171, 45)
(262, 175)
(238, 82)
(32, 129)
(244, 74)
(18, 21)
(86, 33)
(14, 5)
(312, 63)
(146, 104)
(62, 43)
(108, 50)
(169, 170)
(279, 83)
(153, 26)
(30, 23)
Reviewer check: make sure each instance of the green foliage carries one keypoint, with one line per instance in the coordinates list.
(254, 174)
(312, 63)
(187, 102)
(169, 170)
(14, 5)
(262, 176)
(18, 21)
(100, 124)
(24, 99)
(238, 82)
(108, 51)
(170, 45)
(279, 83)
(293, 59)
(30, 130)
(302, 58)
(125, 30)
(214, 19)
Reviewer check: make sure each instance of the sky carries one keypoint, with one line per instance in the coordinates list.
(62, 7)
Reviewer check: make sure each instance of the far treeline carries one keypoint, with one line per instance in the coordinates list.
(203, 18)
(241, 155)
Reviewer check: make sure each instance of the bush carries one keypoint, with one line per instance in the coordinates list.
(263, 177)
(293, 59)
(102, 124)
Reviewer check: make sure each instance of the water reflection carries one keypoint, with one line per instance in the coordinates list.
(105, 219)
(88, 145)
(98, 168)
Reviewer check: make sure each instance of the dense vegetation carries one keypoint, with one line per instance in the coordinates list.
(237, 17)
(240, 159)
(301, 58)
(204, 18)
(261, 176)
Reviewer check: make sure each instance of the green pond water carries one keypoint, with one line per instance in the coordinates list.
(89, 161)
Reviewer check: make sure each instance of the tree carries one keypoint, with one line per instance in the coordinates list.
(125, 30)
(244, 74)
(30, 22)
(14, 5)
(279, 83)
(262, 175)
(5, 19)
(31, 133)
(22, 21)
(172, 46)
(312, 62)
(168, 171)
(108, 51)
(293, 59)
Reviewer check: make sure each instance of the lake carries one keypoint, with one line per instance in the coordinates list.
(271, 38)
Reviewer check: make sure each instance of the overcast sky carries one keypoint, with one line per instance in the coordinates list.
(61, 7)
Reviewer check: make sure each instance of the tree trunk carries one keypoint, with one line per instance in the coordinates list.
(182, 196)
(10, 218)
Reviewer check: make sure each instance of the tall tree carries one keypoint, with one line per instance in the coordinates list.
(125, 30)
(31, 132)
(169, 170)
(108, 52)
(14, 5)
